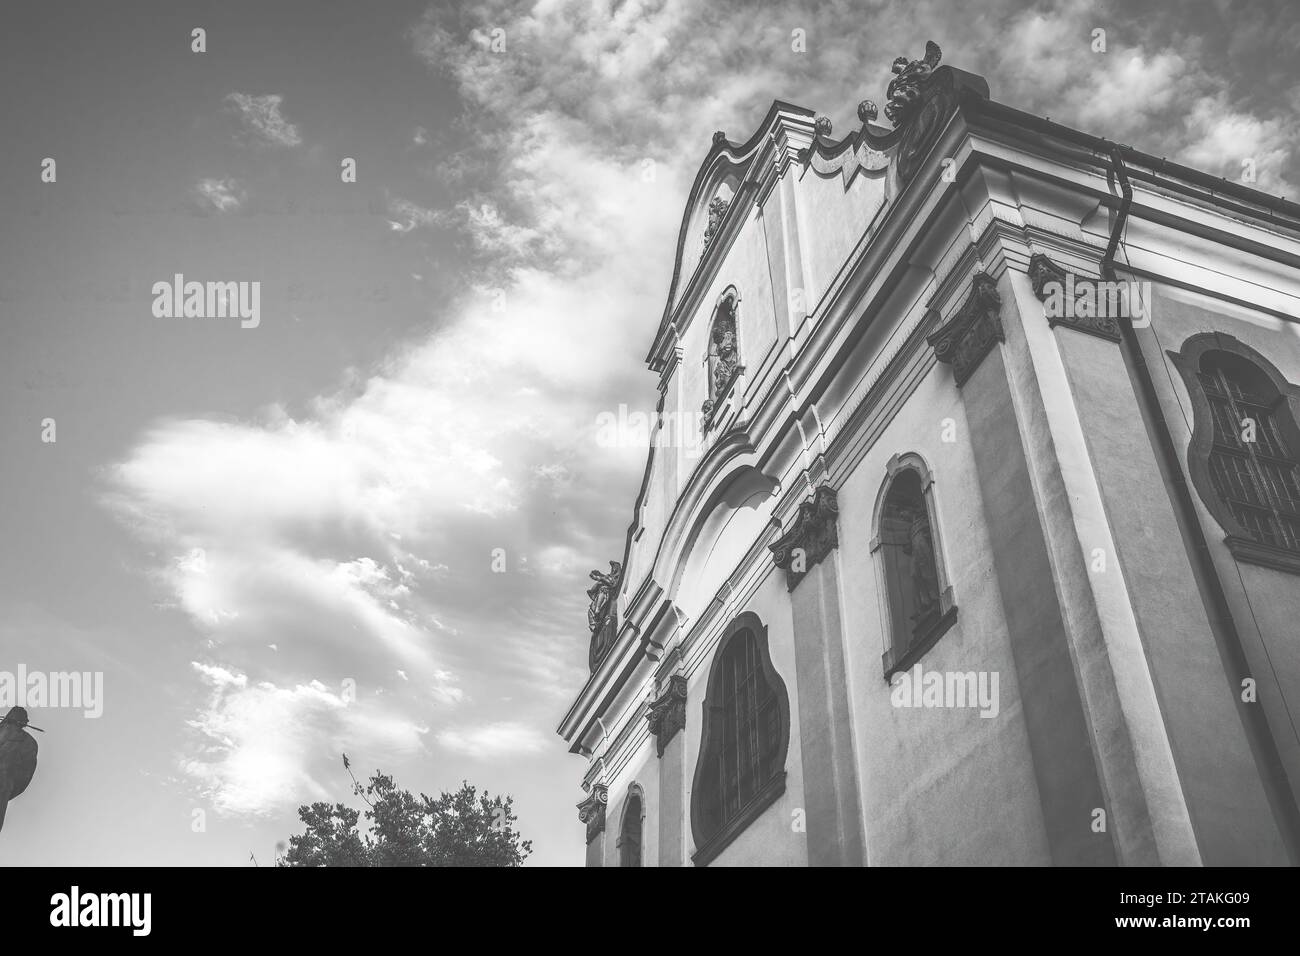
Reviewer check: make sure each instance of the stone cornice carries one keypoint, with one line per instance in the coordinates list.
(973, 331)
(667, 712)
(813, 536)
(673, 359)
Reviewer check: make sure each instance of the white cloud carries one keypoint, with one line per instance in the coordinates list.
(1157, 98)
(504, 739)
(1222, 139)
(263, 746)
(224, 195)
(407, 216)
(261, 119)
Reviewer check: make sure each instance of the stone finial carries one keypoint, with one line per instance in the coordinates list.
(868, 111)
(822, 125)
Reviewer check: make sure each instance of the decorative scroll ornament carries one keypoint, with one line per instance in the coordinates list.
(1043, 270)
(973, 331)
(1088, 305)
(905, 88)
(667, 713)
(592, 810)
(601, 619)
(812, 537)
(922, 97)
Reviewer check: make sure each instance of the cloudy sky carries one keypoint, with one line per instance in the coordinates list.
(285, 542)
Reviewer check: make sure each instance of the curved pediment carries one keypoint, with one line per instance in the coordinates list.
(922, 99)
(723, 174)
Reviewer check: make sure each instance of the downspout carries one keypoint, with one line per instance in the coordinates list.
(1221, 620)
(1121, 220)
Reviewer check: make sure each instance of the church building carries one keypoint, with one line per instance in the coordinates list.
(970, 529)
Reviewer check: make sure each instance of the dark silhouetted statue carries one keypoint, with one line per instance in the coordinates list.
(17, 757)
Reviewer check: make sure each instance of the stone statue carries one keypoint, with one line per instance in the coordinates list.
(717, 212)
(726, 357)
(601, 593)
(17, 757)
(905, 87)
(925, 574)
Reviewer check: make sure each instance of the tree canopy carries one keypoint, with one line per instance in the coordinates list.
(464, 828)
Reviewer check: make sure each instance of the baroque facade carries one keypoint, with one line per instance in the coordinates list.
(986, 549)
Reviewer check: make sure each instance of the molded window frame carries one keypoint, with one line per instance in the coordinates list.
(634, 792)
(710, 844)
(1243, 545)
(904, 644)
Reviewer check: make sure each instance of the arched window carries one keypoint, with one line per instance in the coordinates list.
(629, 836)
(746, 735)
(724, 350)
(917, 597)
(1245, 446)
